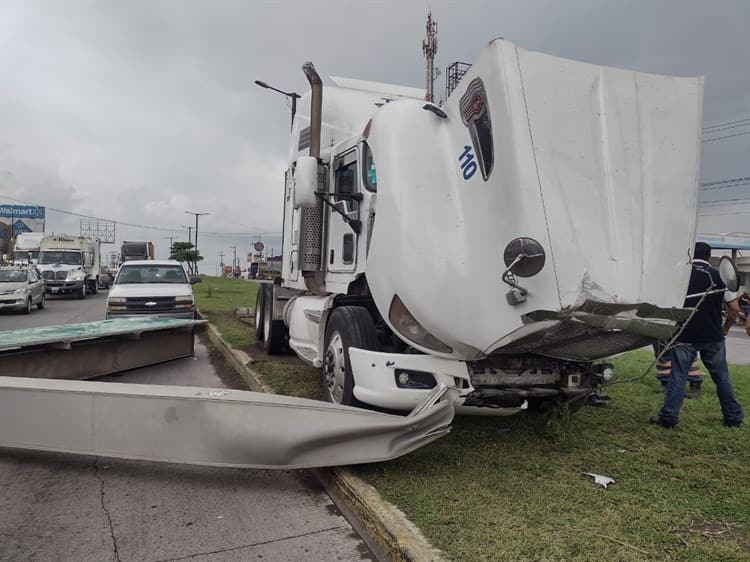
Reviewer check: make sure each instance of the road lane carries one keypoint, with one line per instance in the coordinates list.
(60, 309)
(64, 507)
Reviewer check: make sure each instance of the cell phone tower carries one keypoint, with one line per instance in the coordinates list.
(429, 48)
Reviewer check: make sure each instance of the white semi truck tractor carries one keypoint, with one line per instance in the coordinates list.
(504, 244)
(70, 264)
(26, 248)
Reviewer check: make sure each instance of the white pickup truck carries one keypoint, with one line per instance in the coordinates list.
(153, 288)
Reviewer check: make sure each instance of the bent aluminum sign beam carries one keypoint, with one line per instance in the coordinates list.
(207, 426)
(94, 349)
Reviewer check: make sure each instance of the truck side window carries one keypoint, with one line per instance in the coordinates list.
(346, 179)
(369, 177)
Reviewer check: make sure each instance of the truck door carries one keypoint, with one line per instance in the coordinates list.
(342, 240)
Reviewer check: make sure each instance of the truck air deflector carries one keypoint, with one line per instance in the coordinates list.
(208, 426)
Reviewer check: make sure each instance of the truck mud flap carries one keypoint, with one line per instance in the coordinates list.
(91, 349)
(208, 426)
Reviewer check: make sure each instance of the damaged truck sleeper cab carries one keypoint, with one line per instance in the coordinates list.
(504, 244)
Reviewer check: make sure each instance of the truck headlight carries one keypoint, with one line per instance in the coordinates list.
(406, 325)
(75, 276)
(185, 301)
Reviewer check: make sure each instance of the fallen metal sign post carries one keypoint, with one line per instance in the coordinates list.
(92, 349)
(208, 426)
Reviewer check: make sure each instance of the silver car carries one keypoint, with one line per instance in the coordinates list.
(21, 288)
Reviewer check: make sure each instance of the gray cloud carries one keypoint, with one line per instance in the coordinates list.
(141, 110)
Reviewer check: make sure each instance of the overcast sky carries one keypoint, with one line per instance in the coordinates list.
(140, 110)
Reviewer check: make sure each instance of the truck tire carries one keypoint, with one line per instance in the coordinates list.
(274, 331)
(82, 293)
(348, 326)
(260, 304)
(94, 287)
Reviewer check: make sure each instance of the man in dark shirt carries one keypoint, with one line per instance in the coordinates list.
(703, 334)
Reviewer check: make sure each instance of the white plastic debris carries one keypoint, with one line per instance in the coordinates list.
(600, 479)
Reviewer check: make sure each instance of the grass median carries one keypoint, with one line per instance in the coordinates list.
(512, 488)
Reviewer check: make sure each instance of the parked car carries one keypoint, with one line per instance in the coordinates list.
(153, 288)
(21, 288)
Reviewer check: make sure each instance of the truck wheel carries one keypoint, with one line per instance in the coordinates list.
(42, 301)
(260, 304)
(82, 292)
(274, 331)
(348, 326)
(94, 287)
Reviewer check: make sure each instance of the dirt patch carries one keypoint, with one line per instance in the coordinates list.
(721, 531)
(256, 352)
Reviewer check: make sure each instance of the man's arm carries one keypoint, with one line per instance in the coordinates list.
(733, 312)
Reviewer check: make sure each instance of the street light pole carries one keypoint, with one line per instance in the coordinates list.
(195, 264)
(293, 95)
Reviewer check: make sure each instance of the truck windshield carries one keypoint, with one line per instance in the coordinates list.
(12, 275)
(151, 274)
(67, 258)
(24, 255)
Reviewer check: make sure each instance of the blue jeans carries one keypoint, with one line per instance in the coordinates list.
(714, 357)
(694, 376)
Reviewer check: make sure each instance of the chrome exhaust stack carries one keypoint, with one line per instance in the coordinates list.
(312, 219)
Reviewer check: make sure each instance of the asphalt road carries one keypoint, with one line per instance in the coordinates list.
(65, 507)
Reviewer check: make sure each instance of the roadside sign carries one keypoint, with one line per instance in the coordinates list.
(259, 246)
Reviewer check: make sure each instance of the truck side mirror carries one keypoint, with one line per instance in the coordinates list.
(524, 257)
(194, 280)
(305, 182)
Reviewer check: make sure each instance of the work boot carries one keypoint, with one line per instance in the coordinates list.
(658, 421)
(694, 391)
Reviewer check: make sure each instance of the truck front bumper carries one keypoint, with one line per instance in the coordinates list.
(376, 377)
(188, 314)
(57, 287)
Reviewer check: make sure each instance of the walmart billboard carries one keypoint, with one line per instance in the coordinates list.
(25, 218)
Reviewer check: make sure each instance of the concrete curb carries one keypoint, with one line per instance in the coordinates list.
(385, 528)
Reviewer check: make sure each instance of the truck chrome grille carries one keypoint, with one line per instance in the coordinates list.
(150, 304)
(61, 275)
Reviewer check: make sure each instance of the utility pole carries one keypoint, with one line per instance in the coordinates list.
(10, 236)
(170, 238)
(221, 262)
(234, 259)
(190, 241)
(195, 264)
